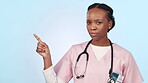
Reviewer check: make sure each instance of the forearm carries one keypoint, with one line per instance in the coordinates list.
(47, 62)
(51, 77)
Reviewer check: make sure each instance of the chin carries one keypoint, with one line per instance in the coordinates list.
(95, 38)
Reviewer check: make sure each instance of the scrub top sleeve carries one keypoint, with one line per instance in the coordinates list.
(131, 72)
(63, 68)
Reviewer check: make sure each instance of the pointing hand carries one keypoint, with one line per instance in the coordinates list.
(42, 47)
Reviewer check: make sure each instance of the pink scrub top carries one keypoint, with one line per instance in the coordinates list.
(97, 70)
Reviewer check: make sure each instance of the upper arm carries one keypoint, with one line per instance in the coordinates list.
(63, 68)
(131, 72)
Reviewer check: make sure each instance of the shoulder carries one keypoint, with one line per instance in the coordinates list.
(80, 45)
(124, 53)
(76, 48)
(120, 49)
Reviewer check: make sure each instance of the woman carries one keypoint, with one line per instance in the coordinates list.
(105, 61)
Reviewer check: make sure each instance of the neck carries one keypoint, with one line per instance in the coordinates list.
(101, 42)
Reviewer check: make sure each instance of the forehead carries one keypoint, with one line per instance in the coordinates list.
(96, 13)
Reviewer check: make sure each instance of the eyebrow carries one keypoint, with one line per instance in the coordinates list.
(98, 19)
(95, 20)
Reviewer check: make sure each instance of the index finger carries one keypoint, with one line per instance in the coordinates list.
(37, 37)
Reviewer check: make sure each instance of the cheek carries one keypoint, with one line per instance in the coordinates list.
(87, 27)
(102, 29)
(105, 27)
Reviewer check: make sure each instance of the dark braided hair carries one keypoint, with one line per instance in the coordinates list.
(106, 8)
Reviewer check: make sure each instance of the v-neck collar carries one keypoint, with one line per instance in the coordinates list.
(92, 54)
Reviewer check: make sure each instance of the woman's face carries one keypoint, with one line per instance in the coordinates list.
(97, 23)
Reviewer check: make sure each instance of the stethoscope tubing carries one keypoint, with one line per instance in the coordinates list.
(87, 59)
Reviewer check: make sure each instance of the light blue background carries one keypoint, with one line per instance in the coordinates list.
(61, 23)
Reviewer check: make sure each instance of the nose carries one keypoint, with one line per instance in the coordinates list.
(93, 27)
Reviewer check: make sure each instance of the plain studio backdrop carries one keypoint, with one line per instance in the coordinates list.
(62, 23)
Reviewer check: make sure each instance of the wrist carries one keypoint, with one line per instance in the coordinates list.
(47, 62)
(47, 57)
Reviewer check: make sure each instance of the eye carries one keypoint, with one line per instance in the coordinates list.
(88, 22)
(98, 23)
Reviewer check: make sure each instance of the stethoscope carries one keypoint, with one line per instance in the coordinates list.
(87, 58)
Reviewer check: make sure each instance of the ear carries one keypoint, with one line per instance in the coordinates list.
(110, 24)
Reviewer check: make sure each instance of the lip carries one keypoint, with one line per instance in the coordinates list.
(93, 34)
